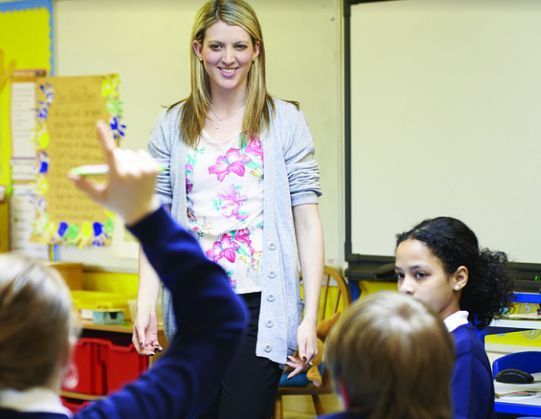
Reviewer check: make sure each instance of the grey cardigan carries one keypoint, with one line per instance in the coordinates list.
(290, 178)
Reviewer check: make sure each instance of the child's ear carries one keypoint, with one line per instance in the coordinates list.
(460, 278)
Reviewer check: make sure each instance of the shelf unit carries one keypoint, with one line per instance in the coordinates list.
(509, 325)
(119, 333)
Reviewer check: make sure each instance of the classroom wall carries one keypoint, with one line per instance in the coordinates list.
(303, 39)
(147, 44)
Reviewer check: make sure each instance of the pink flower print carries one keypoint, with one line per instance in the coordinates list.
(232, 203)
(255, 147)
(233, 161)
(243, 236)
(225, 248)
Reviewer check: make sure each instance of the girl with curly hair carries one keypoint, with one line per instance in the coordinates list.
(440, 263)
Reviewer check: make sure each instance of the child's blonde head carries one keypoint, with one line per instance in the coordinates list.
(394, 357)
(36, 323)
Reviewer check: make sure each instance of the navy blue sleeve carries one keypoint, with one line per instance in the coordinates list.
(472, 387)
(211, 321)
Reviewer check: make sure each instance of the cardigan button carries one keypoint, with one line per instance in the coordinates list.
(267, 348)
(270, 298)
(272, 246)
(269, 323)
(272, 274)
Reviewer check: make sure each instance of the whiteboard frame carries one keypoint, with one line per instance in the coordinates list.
(366, 266)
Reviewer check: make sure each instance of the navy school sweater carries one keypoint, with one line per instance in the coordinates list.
(211, 321)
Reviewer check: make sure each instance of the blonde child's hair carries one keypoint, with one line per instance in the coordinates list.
(259, 104)
(36, 322)
(395, 357)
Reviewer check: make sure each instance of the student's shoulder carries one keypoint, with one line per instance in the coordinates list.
(467, 341)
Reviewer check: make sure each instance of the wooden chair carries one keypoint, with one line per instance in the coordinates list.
(335, 298)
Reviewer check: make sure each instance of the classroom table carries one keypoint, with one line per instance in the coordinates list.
(514, 404)
(510, 402)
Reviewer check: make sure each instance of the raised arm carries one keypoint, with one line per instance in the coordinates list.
(210, 317)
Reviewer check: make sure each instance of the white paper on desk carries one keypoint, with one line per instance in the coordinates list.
(23, 119)
(518, 395)
(22, 216)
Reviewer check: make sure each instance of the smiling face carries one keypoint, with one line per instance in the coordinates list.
(227, 53)
(421, 274)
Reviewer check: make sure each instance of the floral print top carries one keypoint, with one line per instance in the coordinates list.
(224, 197)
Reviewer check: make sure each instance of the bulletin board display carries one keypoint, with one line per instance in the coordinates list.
(65, 137)
(26, 42)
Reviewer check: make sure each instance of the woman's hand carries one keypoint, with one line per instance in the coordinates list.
(145, 333)
(307, 343)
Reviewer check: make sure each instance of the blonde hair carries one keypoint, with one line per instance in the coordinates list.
(36, 322)
(394, 356)
(259, 104)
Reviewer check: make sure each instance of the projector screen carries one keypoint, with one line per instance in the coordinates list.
(446, 120)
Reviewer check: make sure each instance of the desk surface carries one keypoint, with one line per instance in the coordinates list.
(516, 324)
(528, 404)
(517, 403)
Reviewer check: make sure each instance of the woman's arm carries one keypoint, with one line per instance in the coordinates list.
(303, 177)
(311, 254)
(145, 327)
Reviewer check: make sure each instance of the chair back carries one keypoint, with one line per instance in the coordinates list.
(334, 298)
(529, 361)
(335, 295)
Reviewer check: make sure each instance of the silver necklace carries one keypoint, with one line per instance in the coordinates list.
(218, 119)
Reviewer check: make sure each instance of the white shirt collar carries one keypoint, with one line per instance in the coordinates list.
(37, 399)
(456, 319)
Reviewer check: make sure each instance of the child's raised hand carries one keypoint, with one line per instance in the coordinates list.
(129, 188)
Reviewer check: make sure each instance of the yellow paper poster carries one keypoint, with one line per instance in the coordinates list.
(26, 42)
(65, 137)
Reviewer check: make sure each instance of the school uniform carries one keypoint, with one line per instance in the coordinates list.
(211, 320)
(472, 387)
